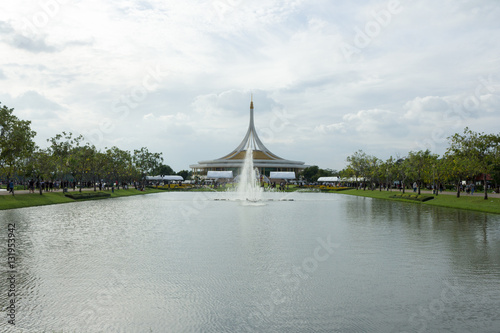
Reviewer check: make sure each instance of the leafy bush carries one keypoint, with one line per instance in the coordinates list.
(334, 189)
(88, 195)
(414, 197)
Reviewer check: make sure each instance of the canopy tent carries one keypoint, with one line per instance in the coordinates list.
(353, 179)
(328, 179)
(219, 174)
(282, 175)
(259, 177)
(172, 177)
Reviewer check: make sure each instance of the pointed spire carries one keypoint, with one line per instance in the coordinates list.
(251, 140)
(251, 126)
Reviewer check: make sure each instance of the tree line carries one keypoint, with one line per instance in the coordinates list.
(69, 158)
(470, 156)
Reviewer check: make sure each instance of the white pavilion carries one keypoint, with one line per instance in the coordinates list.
(263, 159)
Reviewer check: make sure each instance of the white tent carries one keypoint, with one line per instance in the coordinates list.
(219, 174)
(328, 179)
(260, 177)
(172, 177)
(282, 175)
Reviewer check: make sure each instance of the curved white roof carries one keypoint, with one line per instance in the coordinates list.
(328, 179)
(219, 174)
(281, 175)
(171, 177)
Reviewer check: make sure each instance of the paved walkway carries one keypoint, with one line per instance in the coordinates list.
(16, 192)
(476, 194)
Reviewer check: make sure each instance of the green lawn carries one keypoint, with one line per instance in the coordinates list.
(29, 200)
(476, 202)
(50, 198)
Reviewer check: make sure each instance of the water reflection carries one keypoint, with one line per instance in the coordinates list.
(142, 264)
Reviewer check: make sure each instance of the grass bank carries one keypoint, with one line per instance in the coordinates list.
(51, 198)
(476, 203)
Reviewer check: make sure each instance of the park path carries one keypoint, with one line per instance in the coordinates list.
(17, 192)
(476, 194)
(480, 194)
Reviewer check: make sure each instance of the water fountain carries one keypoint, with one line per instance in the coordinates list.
(248, 187)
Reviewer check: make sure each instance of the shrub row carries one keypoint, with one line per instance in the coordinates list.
(89, 195)
(414, 197)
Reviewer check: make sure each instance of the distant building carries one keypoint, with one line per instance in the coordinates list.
(263, 159)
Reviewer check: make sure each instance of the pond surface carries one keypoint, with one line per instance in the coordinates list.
(186, 262)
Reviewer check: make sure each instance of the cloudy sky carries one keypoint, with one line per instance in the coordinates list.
(328, 77)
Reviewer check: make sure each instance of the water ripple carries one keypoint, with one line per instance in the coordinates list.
(140, 264)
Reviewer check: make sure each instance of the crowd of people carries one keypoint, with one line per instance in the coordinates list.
(33, 185)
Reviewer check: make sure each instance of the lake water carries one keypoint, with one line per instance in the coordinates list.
(186, 262)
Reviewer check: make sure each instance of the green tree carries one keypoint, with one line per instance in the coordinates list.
(436, 173)
(16, 141)
(420, 166)
(310, 172)
(495, 174)
(184, 174)
(458, 168)
(402, 170)
(98, 163)
(480, 149)
(374, 173)
(61, 148)
(81, 163)
(346, 173)
(118, 165)
(146, 162)
(389, 171)
(163, 170)
(326, 173)
(40, 166)
(358, 163)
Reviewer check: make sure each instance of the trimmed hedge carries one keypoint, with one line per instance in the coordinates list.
(413, 197)
(337, 189)
(88, 195)
(166, 189)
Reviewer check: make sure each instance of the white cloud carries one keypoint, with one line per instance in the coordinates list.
(426, 109)
(81, 65)
(490, 103)
(336, 127)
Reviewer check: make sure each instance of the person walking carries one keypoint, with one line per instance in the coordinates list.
(11, 187)
(415, 187)
(31, 186)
